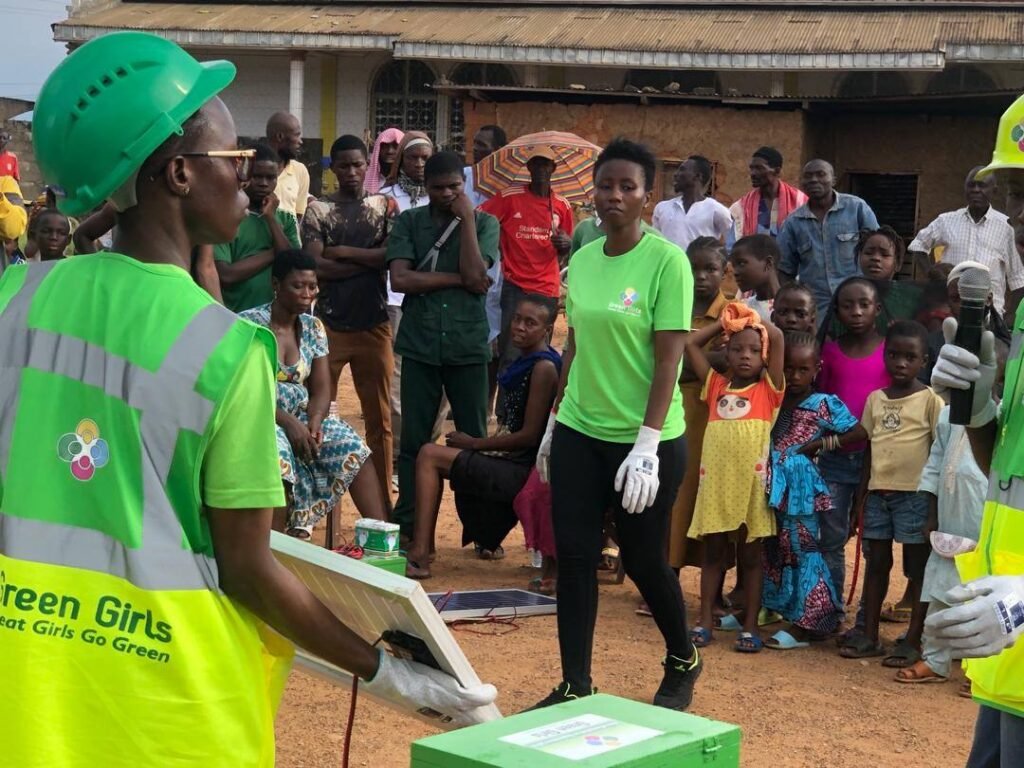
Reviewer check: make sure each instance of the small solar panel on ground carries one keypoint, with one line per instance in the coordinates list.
(496, 603)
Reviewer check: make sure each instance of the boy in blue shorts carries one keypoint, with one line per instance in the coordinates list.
(900, 421)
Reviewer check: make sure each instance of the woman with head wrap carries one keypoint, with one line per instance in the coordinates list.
(382, 159)
(405, 181)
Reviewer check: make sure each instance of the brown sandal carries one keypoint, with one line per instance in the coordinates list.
(919, 672)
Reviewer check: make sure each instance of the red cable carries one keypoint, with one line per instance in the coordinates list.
(856, 562)
(351, 722)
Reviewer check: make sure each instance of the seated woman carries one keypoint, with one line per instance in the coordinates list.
(487, 472)
(321, 456)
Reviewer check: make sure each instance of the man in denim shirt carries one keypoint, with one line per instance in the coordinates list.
(818, 238)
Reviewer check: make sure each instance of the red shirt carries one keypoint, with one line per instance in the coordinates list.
(9, 165)
(528, 259)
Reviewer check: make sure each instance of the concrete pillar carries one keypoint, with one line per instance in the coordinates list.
(296, 84)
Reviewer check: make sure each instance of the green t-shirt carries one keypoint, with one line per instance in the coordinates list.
(253, 237)
(587, 231)
(614, 306)
(237, 478)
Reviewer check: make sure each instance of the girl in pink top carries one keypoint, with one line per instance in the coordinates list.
(852, 366)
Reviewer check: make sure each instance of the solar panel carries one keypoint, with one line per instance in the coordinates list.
(371, 601)
(486, 603)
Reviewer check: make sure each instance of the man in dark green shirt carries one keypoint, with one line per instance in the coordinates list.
(243, 265)
(438, 257)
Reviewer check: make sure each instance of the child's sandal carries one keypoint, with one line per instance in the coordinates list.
(747, 642)
(700, 637)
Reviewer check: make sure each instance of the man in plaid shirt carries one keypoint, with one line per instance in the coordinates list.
(977, 232)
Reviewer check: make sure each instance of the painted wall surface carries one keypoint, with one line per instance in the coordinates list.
(21, 145)
(261, 88)
(940, 148)
(727, 136)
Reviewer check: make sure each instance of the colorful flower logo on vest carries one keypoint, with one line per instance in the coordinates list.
(629, 296)
(84, 450)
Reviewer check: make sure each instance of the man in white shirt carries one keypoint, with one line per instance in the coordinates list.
(692, 214)
(284, 135)
(979, 233)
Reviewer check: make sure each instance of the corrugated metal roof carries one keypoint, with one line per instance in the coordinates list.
(725, 37)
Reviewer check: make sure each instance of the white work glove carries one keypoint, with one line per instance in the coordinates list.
(544, 452)
(986, 616)
(427, 691)
(957, 368)
(637, 477)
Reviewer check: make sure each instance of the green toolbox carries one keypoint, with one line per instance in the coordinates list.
(597, 731)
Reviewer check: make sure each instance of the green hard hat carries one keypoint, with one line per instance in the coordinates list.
(109, 105)
(1009, 151)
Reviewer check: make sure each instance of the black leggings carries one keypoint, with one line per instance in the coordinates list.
(582, 488)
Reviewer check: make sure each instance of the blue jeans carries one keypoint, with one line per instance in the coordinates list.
(842, 473)
(998, 740)
(896, 515)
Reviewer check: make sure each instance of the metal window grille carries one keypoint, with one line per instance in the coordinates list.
(402, 98)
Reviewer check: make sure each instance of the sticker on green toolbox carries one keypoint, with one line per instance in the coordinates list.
(579, 738)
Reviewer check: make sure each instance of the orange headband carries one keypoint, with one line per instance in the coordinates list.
(737, 316)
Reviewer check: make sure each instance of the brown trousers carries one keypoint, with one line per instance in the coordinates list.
(372, 360)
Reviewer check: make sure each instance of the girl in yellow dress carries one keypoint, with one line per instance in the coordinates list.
(732, 500)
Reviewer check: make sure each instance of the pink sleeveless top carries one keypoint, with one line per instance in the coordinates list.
(852, 379)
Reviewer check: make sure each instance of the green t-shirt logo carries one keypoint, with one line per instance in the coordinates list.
(84, 450)
(629, 299)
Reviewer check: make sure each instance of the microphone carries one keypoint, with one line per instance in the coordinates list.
(974, 287)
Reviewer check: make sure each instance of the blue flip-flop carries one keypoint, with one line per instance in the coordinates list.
(700, 637)
(728, 623)
(747, 642)
(784, 641)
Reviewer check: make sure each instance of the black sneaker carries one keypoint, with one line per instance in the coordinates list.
(562, 693)
(676, 689)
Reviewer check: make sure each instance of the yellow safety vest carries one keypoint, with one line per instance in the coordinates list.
(117, 647)
(998, 681)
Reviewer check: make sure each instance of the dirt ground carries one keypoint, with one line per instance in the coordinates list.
(797, 709)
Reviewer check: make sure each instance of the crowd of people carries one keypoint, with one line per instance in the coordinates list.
(807, 366)
(780, 337)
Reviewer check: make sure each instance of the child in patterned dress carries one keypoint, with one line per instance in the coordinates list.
(732, 502)
(797, 582)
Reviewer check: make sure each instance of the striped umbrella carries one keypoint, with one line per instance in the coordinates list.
(574, 158)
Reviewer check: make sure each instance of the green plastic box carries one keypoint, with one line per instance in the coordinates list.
(393, 563)
(596, 731)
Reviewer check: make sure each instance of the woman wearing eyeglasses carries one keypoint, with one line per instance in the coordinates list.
(244, 264)
(138, 461)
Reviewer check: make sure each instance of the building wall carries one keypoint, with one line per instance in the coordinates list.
(941, 149)
(261, 88)
(724, 135)
(21, 145)
(355, 78)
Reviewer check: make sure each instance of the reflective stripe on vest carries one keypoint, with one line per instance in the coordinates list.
(167, 403)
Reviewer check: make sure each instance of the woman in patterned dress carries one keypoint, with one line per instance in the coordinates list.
(797, 582)
(321, 456)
